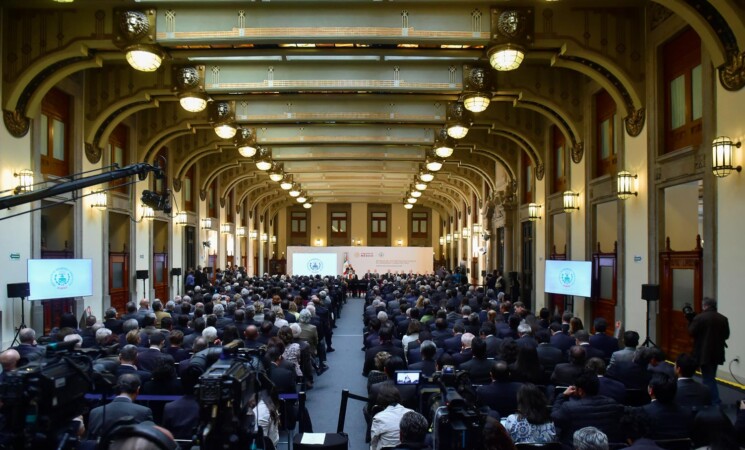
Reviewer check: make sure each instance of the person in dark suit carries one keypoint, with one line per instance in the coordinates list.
(441, 332)
(580, 406)
(181, 416)
(111, 322)
(465, 353)
(128, 364)
(28, 349)
(565, 374)
(607, 386)
(690, 394)
(478, 367)
(560, 339)
(147, 358)
(548, 355)
(501, 394)
(428, 352)
(582, 338)
(668, 420)
(386, 344)
(175, 340)
(635, 430)
(601, 340)
(710, 331)
(453, 344)
(526, 339)
(488, 333)
(121, 406)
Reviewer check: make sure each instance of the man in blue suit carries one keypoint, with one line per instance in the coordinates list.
(121, 406)
(601, 341)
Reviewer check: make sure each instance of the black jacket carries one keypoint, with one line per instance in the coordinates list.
(569, 415)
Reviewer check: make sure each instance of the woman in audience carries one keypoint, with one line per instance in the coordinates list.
(495, 436)
(377, 375)
(164, 381)
(412, 333)
(532, 423)
(575, 324)
(267, 415)
(527, 368)
(292, 349)
(230, 334)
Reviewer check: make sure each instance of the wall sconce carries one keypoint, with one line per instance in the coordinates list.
(264, 237)
(253, 235)
(400, 242)
(721, 160)
(477, 228)
(25, 181)
(189, 85)
(534, 210)
(136, 34)
(444, 145)
(245, 141)
(99, 200)
(358, 242)
(226, 228)
(273, 239)
(442, 240)
(207, 223)
(448, 238)
(240, 232)
(466, 233)
(181, 219)
(264, 159)
(319, 242)
(222, 118)
(625, 185)
(147, 213)
(456, 236)
(570, 201)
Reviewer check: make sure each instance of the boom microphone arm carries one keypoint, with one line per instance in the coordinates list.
(140, 169)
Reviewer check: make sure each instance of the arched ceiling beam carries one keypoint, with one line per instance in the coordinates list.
(152, 146)
(211, 176)
(448, 189)
(234, 182)
(497, 159)
(481, 172)
(526, 145)
(464, 179)
(197, 154)
(453, 201)
(248, 191)
(265, 196)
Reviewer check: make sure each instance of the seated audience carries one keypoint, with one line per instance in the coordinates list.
(667, 419)
(386, 424)
(590, 438)
(121, 406)
(532, 422)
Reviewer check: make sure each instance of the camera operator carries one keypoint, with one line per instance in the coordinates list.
(710, 331)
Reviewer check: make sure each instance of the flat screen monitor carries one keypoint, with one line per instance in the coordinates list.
(311, 264)
(60, 278)
(408, 376)
(569, 278)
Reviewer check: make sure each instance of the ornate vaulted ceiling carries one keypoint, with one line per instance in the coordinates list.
(348, 95)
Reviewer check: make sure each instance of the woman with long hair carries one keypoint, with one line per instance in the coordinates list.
(575, 324)
(532, 423)
(527, 367)
(495, 437)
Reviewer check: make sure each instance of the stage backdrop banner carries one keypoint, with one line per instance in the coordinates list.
(375, 259)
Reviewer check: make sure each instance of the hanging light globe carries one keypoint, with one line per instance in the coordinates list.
(477, 101)
(307, 205)
(295, 190)
(443, 150)
(506, 57)
(144, 57)
(416, 194)
(434, 164)
(427, 176)
(420, 185)
(276, 174)
(408, 205)
(226, 130)
(457, 130)
(286, 183)
(301, 198)
(193, 101)
(411, 200)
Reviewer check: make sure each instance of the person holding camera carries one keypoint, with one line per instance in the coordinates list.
(710, 331)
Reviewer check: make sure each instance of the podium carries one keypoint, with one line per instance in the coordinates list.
(331, 441)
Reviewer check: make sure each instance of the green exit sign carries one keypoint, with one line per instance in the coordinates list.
(15, 256)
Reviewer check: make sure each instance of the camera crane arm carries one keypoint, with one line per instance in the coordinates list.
(139, 169)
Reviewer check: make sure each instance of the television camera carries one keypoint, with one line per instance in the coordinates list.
(228, 385)
(41, 400)
(456, 420)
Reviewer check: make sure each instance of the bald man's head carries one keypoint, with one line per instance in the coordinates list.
(9, 359)
(251, 332)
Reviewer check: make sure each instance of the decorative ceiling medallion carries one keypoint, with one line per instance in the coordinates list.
(511, 23)
(134, 24)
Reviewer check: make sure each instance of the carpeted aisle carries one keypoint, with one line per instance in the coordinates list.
(345, 373)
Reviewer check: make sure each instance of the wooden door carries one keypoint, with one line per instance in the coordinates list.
(53, 309)
(160, 276)
(212, 262)
(557, 302)
(119, 281)
(681, 282)
(604, 285)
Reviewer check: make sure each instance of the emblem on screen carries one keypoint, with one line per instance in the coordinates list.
(567, 277)
(61, 278)
(315, 265)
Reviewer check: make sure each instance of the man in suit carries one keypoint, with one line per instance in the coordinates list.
(121, 406)
(454, 344)
(690, 394)
(386, 345)
(501, 394)
(600, 340)
(478, 367)
(111, 322)
(548, 355)
(28, 349)
(607, 386)
(493, 343)
(626, 354)
(560, 339)
(181, 416)
(147, 358)
(580, 406)
(582, 338)
(710, 331)
(565, 374)
(465, 353)
(667, 419)
(128, 364)
(441, 332)
(428, 352)
(526, 339)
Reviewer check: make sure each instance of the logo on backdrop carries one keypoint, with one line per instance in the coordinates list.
(567, 277)
(315, 265)
(61, 278)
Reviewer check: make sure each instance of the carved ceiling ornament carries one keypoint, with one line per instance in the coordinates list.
(635, 121)
(578, 150)
(203, 195)
(540, 171)
(134, 24)
(16, 123)
(732, 74)
(512, 23)
(176, 184)
(93, 153)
